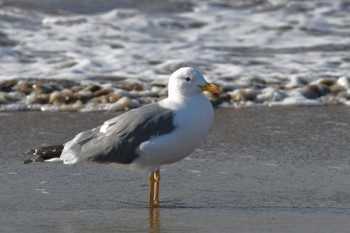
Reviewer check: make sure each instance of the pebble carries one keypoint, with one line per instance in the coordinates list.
(7, 85)
(92, 88)
(70, 96)
(3, 97)
(132, 87)
(43, 98)
(23, 87)
(38, 89)
(114, 97)
(157, 88)
(124, 103)
(315, 91)
(344, 95)
(72, 107)
(327, 82)
(41, 89)
(243, 95)
(344, 82)
(99, 100)
(56, 98)
(103, 91)
(35, 98)
(217, 100)
(85, 94)
(336, 89)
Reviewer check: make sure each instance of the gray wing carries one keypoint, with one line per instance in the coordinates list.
(118, 138)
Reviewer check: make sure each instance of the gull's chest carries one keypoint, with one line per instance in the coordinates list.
(193, 118)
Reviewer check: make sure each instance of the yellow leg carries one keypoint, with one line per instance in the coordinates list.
(156, 187)
(151, 190)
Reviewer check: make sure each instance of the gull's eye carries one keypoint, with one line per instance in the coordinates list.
(188, 79)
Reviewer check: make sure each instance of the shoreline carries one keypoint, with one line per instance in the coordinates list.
(107, 95)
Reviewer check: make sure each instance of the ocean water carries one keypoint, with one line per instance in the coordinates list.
(271, 52)
(231, 41)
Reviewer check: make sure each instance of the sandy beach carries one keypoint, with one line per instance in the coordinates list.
(259, 170)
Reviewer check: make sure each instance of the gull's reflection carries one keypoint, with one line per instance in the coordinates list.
(154, 223)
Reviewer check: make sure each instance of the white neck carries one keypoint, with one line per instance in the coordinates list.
(183, 99)
(174, 102)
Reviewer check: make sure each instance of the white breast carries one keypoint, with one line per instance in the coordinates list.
(192, 120)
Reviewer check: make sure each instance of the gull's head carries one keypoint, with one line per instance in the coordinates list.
(188, 81)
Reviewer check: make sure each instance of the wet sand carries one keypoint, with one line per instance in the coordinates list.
(259, 170)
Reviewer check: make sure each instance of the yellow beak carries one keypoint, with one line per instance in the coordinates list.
(210, 87)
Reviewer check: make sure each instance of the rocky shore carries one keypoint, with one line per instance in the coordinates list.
(87, 95)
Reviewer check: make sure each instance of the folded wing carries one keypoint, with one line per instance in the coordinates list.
(117, 139)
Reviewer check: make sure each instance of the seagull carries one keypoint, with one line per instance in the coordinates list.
(147, 137)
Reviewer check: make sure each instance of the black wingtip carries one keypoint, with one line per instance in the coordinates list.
(31, 152)
(28, 161)
(43, 153)
(36, 160)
